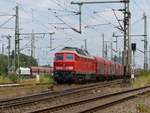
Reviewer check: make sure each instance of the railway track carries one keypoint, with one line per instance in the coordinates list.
(94, 104)
(12, 85)
(16, 85)
(33, 100)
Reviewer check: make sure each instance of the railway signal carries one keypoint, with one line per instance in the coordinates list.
(133, 46)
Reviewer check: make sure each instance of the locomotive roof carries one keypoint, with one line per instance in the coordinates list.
(79, 51)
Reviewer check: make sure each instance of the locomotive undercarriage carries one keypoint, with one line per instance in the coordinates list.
(64, 76)
(72, 77)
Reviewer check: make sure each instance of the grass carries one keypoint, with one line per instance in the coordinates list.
(142, 80)
(4, 80)
(10, 92)
(46, 79)
(31, 86)
(141, 108)
(13, 78)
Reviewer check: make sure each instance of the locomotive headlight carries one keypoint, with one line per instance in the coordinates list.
(64, 68)
(69, 67)
(59, 67)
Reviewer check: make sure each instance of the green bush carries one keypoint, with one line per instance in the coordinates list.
(46, 79)
(4, 79)
(3, 64)
(14, 78)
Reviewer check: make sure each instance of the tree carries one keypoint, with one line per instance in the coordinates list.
(3, 64)
(25, 61)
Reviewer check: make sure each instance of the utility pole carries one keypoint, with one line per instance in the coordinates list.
(3, 48)
(17, 44)
(127, 41)
(116, 44)
(116, 41)
(51, 42)
(116, 55)
(120, 57)
(32, 39)
(111, 50)
(85, 43)
(105, 51)
(9, 46)
(80, 19)
(145, 42)
(103, 48)
(32, 44)
(51, 38)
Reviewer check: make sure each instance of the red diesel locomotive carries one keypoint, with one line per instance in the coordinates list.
(73, 65)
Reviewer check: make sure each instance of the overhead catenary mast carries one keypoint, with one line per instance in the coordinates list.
(9, 47)
(103, 48)
(126, 30)
(17, 40)
(51, 39)
(145, 43)
(32, 39)
(85, 43)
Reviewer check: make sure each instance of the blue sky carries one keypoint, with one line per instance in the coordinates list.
(34, 14)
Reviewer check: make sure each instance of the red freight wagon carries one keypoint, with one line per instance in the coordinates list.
(41, 70)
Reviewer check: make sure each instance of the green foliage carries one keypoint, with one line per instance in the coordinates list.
(13, 77)
(46, 79)
(141, 108)
(27, 61)
(144, 73)
(4, 80)
(3, 64)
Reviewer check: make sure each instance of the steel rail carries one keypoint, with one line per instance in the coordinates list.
(111, 99)
(49, 95)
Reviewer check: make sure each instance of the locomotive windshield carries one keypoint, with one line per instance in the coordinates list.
(69, 56)
(59, 57)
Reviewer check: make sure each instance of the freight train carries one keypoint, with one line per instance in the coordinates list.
(74, 65)
(34, 70)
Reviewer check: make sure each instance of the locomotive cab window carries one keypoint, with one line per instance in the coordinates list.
(59, 57)
(69, 57)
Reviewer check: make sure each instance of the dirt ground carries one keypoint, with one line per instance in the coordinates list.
(141, 104)
(12, 92)
(130, 106)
